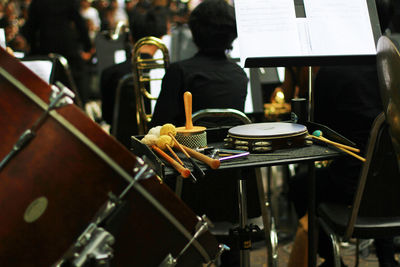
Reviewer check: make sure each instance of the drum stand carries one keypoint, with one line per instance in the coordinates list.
(244, 231)
(93, 246)
(201, 227)
(61, 96)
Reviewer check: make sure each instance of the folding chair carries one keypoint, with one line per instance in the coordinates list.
(375, 212)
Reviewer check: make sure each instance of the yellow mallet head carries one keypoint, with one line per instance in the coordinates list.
(164, 140)
(168, 128)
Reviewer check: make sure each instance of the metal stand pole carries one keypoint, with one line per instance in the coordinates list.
(271, 237)
(310, 95)
(244, 246)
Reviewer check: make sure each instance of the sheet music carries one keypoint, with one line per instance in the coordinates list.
(2, 38)
(41, 68)
(339, 27)
(270, 28)
(267, 27)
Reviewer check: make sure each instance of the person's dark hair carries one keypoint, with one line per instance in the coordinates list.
(151, 23)
(213, 25)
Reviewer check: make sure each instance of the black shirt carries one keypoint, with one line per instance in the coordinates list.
(213, 80)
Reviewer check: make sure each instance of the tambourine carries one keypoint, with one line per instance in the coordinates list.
(267, 136)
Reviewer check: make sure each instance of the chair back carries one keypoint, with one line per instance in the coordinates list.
(377, 194)
(235, 116)
(124, 124)
(52, 68)
(112, 47)
(219, 121)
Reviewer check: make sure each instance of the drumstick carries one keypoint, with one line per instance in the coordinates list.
(170, 130)
(352, 154)
(213, 163)
(163, 142)
(185, 173)
(195, 166)
(174, 154)
(318, 135)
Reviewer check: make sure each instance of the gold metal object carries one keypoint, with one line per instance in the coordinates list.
(141, 77)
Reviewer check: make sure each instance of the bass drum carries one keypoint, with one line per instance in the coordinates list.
(54, 186)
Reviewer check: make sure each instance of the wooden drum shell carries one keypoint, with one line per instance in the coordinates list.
(75, 180)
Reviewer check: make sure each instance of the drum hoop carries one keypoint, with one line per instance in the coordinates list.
(268, 137)
(101, 154)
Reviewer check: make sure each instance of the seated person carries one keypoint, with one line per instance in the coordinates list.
(215, 82)
(347, 100)
(152, 23)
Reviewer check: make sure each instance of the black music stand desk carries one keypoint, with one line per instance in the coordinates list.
(308, 154)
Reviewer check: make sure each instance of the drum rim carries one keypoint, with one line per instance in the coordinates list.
(267, 137)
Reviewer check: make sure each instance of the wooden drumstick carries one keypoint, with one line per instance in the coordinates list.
(185, 173)
(213, 163)
(318, 135)
(195, 166)
(170, 130)
(174, 154)
(165, 141)
(352, 154)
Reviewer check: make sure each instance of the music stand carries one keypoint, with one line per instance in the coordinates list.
(297, 42)
(52, 68)
(282, 33)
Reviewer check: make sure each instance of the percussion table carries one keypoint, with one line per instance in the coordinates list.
(307, 154)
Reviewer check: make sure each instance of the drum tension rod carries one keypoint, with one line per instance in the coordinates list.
(58, 98)
(93, 247)
(201, 227)
(94, 244)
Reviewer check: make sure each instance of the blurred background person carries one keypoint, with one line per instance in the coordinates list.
(58, 27)
(182, 45)
(152, 23)
(91, 14)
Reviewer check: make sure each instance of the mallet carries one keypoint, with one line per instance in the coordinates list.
(170, 130)
(347, 149)
(189, 135)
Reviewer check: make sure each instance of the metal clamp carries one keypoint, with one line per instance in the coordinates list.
(60, 96)
(201, 227)
(93, 245)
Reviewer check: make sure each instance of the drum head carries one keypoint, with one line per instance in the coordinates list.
(268, 130)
